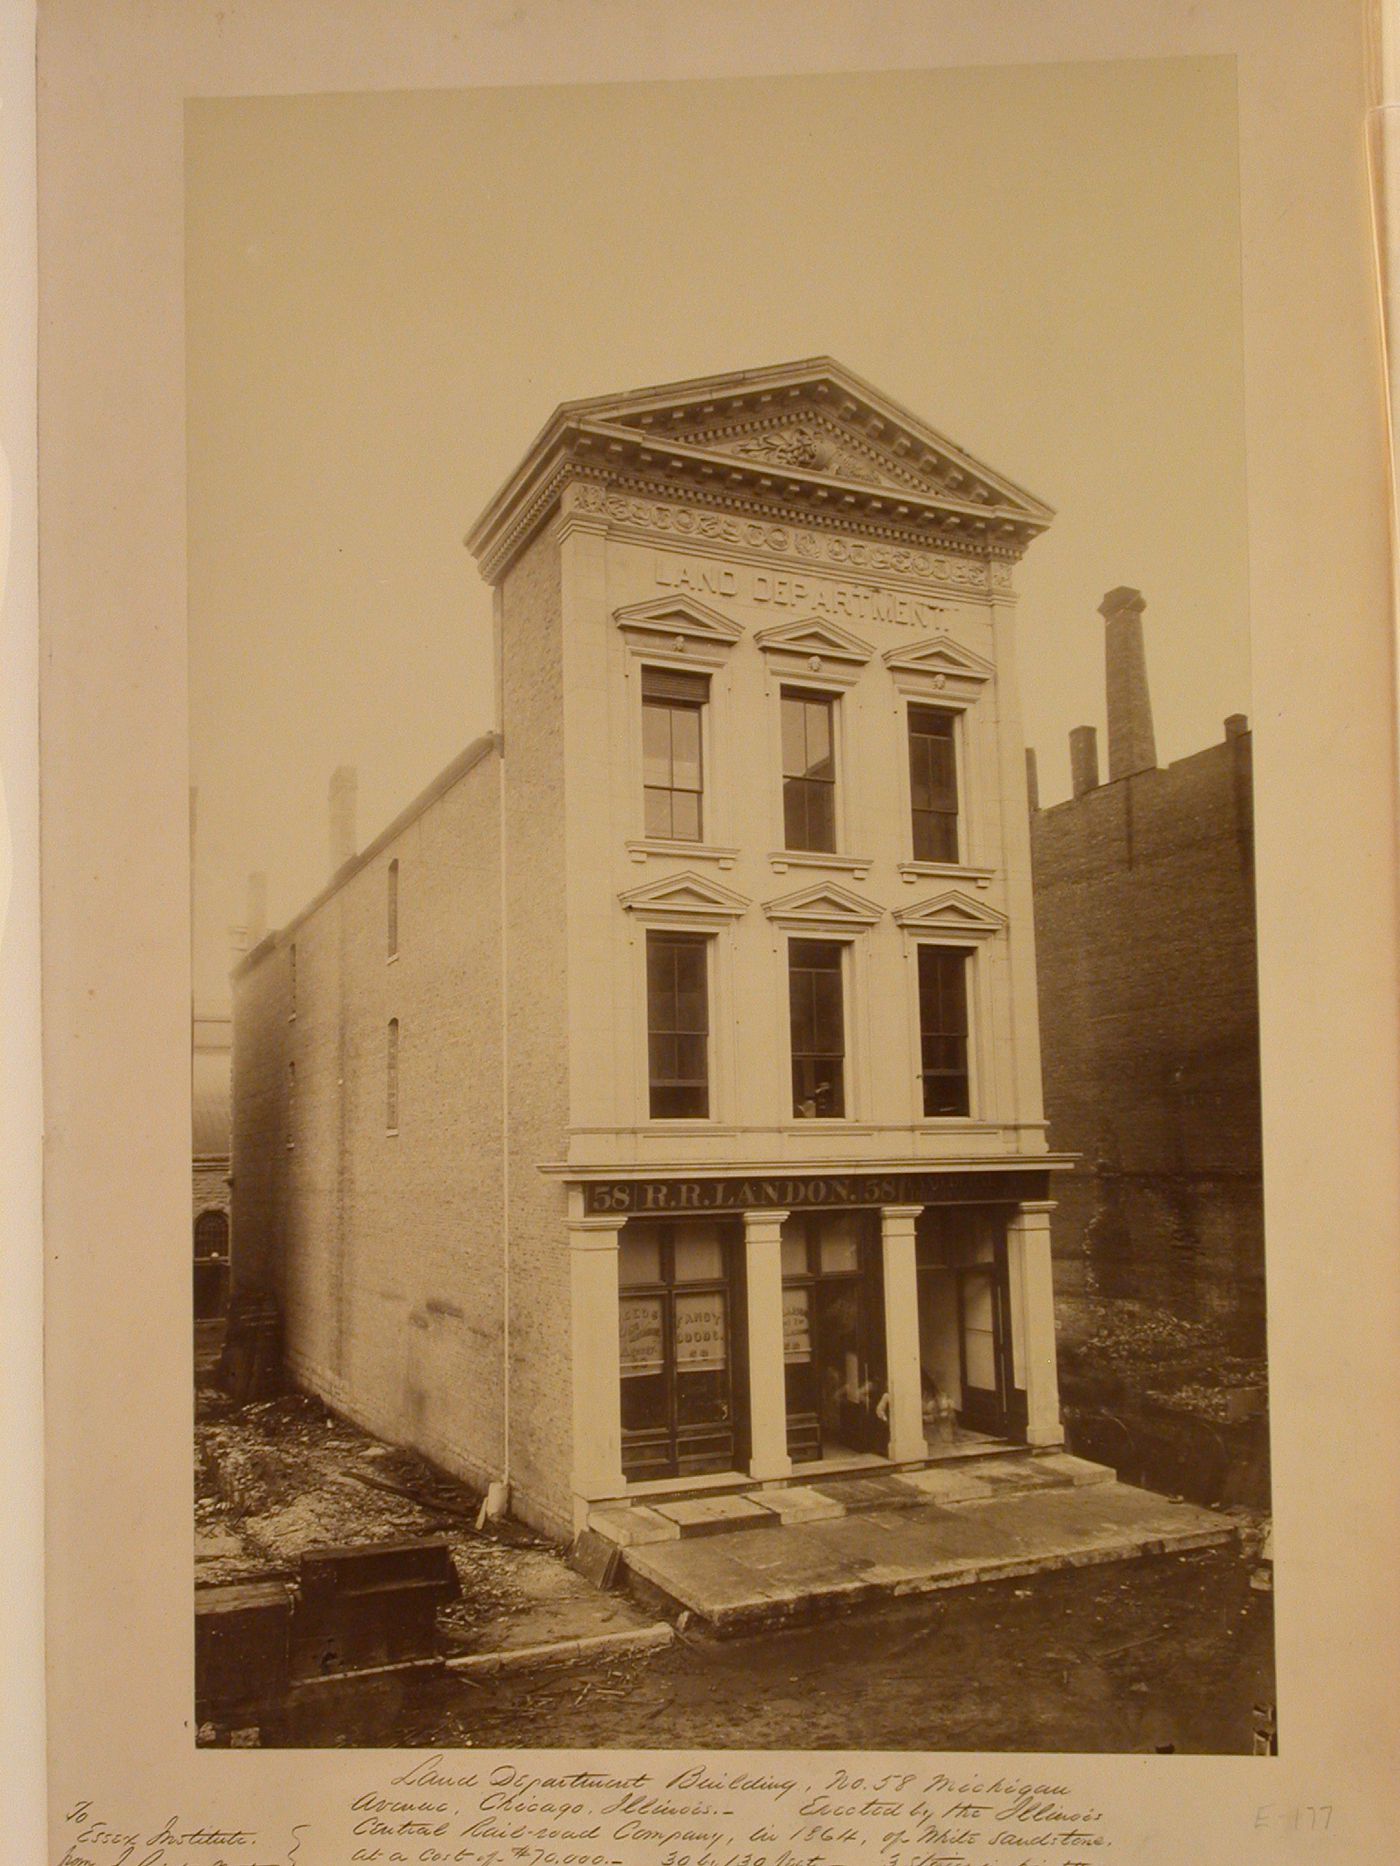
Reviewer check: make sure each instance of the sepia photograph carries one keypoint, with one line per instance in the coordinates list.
(728, 1207)
(699, 962)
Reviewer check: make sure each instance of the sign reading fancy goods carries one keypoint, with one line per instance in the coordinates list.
(791, 1191)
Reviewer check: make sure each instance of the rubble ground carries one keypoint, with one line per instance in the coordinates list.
(282, 1476)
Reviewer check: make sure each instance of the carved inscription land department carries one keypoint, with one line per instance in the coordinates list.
(953, 572)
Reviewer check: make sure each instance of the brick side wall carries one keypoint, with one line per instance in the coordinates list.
(541, 1406)
(211, 1187)
(1145, 935)
(385, 1248)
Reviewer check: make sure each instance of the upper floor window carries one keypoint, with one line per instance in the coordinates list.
(678, 1026)
(818, 1017)
(291, 1104)
(933, 784)
(391, 1075)
(673, 706)
(292, 977)
(393, 909)
(809, 770)
(943, 1030)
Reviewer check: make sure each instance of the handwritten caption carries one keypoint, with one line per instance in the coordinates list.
(436, 1812)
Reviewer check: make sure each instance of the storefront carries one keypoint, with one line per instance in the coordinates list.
(760, 1326)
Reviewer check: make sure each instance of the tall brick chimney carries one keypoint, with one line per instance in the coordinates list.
(257, 909)
(1131, 745)
(344, 789)
(1083, 760)
(1032, 781)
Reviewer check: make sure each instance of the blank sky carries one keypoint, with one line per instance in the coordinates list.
(387, 294)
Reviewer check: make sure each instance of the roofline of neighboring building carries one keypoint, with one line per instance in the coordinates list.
(1128, 777)
(451, 774)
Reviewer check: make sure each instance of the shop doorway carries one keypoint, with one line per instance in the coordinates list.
(967, 1351)
(677, 1284)
(834, 1335)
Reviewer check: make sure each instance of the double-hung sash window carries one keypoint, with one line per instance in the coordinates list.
(809, 770)
(678, 1026)
(673, 779)
(933, 784)
(818, 1016)
(943, 1030)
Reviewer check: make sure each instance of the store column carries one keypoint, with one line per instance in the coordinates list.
(597, 1369)
(763, 1270)
(903, 1372)
(1033, 1312)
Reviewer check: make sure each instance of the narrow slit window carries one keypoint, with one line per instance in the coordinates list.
(673, 775)
(818, 1017)
(943, 1030)
(291, 1104)
(393, 909)
(391, 1097)
(933, 784)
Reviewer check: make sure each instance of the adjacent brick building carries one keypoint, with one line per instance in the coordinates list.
(658, 1099)
(209, 1097)
(1145, 941)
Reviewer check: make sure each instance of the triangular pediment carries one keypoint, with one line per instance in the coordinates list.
(686, 894)
(938, 654)
(815, 636)
(952, 912)
(814, 417)
(679, 615)
(827, 902)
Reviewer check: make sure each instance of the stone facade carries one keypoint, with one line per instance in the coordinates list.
(657, 1287)
(1145, 935)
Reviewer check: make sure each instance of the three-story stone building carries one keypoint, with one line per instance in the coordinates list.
(658, 1101)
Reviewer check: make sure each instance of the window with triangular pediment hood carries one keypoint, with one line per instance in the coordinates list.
(952, 914)
(686, 897)
(824, 904)
(938, 665)
(679, 625)
(815, 646)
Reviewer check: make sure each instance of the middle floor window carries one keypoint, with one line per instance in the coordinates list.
(673, 781)
(943, 1030)
(809, 770)
(818, 1017)
(678, 1026)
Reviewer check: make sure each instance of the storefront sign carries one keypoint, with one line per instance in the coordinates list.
(802, 1191)
(640, 1341)
(700, 1333)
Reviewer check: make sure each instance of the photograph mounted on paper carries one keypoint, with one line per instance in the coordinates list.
(727, 1188)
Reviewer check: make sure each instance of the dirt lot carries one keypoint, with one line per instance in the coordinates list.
(1165, 1654)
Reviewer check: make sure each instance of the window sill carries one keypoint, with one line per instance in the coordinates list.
(391, 1133)
(643, 846)
(391, 958)
(956, 871)
(783, 859)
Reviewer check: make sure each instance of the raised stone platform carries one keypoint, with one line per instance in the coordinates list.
(760, 1575)
(971, 1480)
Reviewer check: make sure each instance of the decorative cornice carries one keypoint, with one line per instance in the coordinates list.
(799, 441)
(730, 522)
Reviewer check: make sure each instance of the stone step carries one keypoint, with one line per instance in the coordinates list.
(740, 1582)
(965, 1480)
